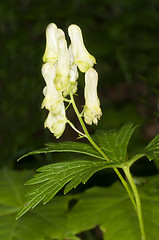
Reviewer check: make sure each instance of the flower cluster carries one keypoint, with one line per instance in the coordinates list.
(60, 72)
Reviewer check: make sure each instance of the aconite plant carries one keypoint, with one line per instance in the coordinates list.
(106, 149)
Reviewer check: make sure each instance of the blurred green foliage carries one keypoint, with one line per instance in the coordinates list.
(122, 35)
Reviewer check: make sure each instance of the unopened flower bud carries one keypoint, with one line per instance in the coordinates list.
(92, 111)
(73, 72)
(50, 54)
(63, 68)
(53, 100)
(56, 123)
(83, 59)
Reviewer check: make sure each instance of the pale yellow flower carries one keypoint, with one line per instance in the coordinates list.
(53, 100)
(56, 123)
(60, 72)
(92, 111)
(51, 54)
(83, 59)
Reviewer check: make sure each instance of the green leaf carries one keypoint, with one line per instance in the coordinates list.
(152, 149)
(113, 143)
(39, 224)
(76, 147)
(51, 178)
(111, 210)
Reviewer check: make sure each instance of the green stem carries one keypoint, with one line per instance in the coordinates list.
(74, 128)
(134, 159)
(100, 150)
(126, 187)
(138, 202)
(85, 129)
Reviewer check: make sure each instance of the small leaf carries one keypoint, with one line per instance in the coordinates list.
(152, 149)
(113, 143)
(76, 147)
(51, 178)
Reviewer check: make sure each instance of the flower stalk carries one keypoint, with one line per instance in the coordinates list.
(61, 74)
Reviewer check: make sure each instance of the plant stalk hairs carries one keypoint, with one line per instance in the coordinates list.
(105, 149)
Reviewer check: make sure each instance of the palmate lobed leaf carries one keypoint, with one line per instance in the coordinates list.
(76, 147)
(52, 178)
(114, 143)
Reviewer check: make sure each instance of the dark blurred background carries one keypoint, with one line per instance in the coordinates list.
(123, 36)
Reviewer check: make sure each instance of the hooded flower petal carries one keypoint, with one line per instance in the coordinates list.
(82, 57)
(53, 100)
(50, 54)
(92, 111)
(56, 123)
